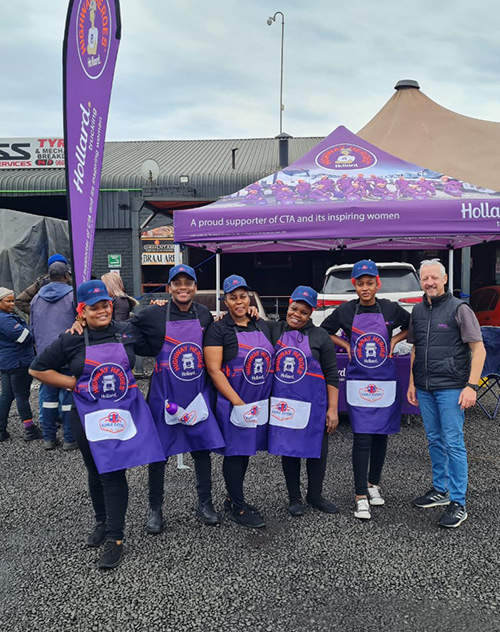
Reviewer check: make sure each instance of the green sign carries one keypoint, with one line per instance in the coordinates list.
(114, 261)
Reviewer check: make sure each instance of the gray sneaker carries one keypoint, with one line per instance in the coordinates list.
(432, 498)
(453, 516)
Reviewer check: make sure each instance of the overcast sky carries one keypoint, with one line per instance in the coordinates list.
(194, 69)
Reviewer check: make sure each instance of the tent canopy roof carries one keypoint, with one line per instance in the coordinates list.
(345, 193)
(417, 129)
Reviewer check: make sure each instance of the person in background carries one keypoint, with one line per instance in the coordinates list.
(16, 354)
(52, 312)
(122, 303)
(447, 359)
(111, 420)
(239, 359)
(304, 400)
(25, 297)
(175, 334)
(372, 393)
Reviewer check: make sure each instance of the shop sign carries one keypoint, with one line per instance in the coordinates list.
(32, 153)
(157, 258)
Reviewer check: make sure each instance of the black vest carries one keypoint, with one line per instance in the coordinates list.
(442, 360)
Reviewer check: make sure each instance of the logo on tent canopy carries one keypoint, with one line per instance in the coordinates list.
(343, 157)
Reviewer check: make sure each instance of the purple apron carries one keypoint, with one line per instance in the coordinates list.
(297, 420)
(372, 392)
(250, 374)
(179, 377)
(117, 421)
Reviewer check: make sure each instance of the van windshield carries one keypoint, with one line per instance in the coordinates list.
(392, 280)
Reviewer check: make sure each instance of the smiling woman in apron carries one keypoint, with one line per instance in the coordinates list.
(304, 400)
(372, 393)
(239, 359)
(112, 423)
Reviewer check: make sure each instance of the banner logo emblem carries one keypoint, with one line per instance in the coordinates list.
(93, 28)
(371, 393)
(345, 157)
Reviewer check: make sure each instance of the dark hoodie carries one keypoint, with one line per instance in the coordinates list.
(52, 313)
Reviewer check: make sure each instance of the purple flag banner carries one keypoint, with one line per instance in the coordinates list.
(91, 40)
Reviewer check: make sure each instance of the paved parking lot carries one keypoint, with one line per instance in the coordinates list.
(398, 571)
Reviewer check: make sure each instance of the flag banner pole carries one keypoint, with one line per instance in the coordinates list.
(91, 39)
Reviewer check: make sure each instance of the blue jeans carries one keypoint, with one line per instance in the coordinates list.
(50, 401)
(443, 423)
(16, 385)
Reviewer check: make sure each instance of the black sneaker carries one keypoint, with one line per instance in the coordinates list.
(69, 445)
(295, 508)
(453, 516)
(111, 555)
(97, 535)
(50, 445)
(322, 504)
(246, 518)
(432, 498)
(207, 512)
(4, 435)
(32, 432)
(155, 523)
(253, 508)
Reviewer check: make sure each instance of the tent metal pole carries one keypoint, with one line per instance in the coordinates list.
(466, 273)
(217, 282)
(450, 270)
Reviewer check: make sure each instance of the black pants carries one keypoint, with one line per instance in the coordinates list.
(234, 469)
(316, 469)
(367, 449)
(202, 468)
(15, 385)
(109, 492)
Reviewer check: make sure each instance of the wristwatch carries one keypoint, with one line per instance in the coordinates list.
(473, 386)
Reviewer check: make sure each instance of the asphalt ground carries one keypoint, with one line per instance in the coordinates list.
(399, 571)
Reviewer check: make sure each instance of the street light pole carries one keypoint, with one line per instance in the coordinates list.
(270, 20)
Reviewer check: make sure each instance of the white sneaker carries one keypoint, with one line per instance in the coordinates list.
(362, 509)
(375, 496)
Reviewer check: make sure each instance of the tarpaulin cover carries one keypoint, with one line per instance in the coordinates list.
(26, 243)
(345, 193)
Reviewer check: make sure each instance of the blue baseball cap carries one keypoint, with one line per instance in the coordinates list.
(234, 282)
(91, 292)
(306, 294)
(365, 266)
(182, 268)
(55, 258)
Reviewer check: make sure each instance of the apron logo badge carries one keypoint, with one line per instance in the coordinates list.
(112, 423)
(257, 365)
(370, 350)
(282, 411)
(108, 381)
(188, 419)
(186, 361)
(251, 415)
(371, 393)
(290, 365)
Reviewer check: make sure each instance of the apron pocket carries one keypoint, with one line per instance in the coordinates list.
(195, 412)
(289, 413)
(250, 415)
(369, 394)
(110, 423)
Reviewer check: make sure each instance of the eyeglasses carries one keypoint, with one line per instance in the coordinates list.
(186, 283)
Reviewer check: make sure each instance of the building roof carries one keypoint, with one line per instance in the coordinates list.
(207, 163)
(415, 128)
